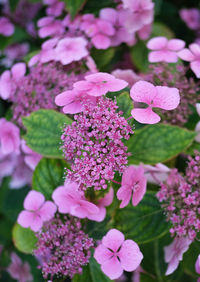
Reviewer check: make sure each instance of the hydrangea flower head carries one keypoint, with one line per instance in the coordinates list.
(133, 182)
(164, 50)
(154, 96)
(100, 83)
(192, 55)
(174, 253)
(36, 212)
(116, 254)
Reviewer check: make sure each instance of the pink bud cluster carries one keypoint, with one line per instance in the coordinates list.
(94, 144)
(181, 200)
(62, 248)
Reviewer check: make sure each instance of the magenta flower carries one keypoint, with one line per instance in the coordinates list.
(19, 270)
(50, 27)
(190, 17)
(192, 55)
(164, 50)
(6, 27)
(156, 174)
(31, 158)
(37, 211)
(155, 97)
(70, 200)
(100, 83)
(9, 137)
(116, 254)
(128, 75)
(174, 253)
(8, 78)
(133, 182)
(197, 265)
(69, 50)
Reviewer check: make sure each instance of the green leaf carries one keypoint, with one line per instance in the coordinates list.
(158, 143)
(125, 104)
(160, 29)
(139, 56)
(44, 130)
(91, 273)
(102, 57)
(48, 175)
(74, 6)
(142, 223)
(24, 239)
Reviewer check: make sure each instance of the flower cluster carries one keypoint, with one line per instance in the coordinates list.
(181, 200)
(62, 248)
(94, 143)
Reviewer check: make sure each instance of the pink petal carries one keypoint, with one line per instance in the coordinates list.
(146, 116)
(5, 85)
(18, 70)
(32, 160)
(167, 98)
(105, 27)
(98, 216)
(73, 108)
(175, 44)
(197, 265)
(33, 200)
(143, 91)
(99, 77)
(102, 254)
(130, 255)
(64, 98)
(112, 268)
(186, 55)
(195, 67)
(113, 239)
(30, 219)
(157, 43)
(117, 85)
(101, 41)
(172, 266)
(61, 199)
(107, 200)
(109, 14)
(163, 56)
(82, 85)
(195, 48)
(83, 208)
(138, 194)
(47, 211)
(124, 193)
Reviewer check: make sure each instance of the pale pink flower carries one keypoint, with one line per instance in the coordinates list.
(101, 204)
(71, 49)
(50, 27)
(133, 183)
(99, 84)
(174, 253)
(128, 75)
(70, 199)
(191, 17)
(7, 164)
(9, 137)
(164, 50)
(31, 158)
(197, 265)
(101, 36)
(116, 254)
(6, 27)
(156, 174)
(8, 78)
(36, 212)
(163, 97)
(192, 55)
(19, 270)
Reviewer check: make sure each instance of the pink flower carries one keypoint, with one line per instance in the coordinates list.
(197, 265)
(116, 254)
(192, 56)
(133, 181)
(99, 84)
(19, 270)
(102, 203)
(90, 63)
(71, 49)
(55, 8)
(72, 100)
(70, 200)
(128, 75)
(174, 253)
(8, 78)
(31, 158)
(190, 17)
(157, 173)
(154, 96)
(37, 211)
(164, 50)
(50, 27)
(6, 27)
(7, 165)
(103, 31)
(9, 137)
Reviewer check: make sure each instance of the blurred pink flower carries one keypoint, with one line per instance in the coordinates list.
(192, 55)
(197, 265)
(36, 212)
(116, 254)
(6, 27)
(99, 84)
(55, 8)
(31, 158)
(128, 75)
(71, 49)
(7, 164)
(133, 182)
(9, 137)
(174, 253)
(50, 27)
(19, 270)
(157, 173)
(191, 17)
(154, 96)
(164, 50)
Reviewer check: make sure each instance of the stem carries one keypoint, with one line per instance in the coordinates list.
(116, 182)
(129, 118)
